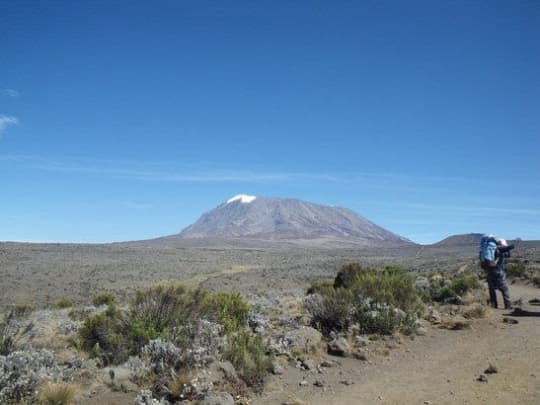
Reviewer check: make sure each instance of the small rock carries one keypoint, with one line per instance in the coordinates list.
(217, 398)
(510, 321)
(339, 347)
(326, 363)
(309, 364)
(361, 341)
(228, 370)
(421, 331)
(360, 354)
(318, 383)
(434, 316)
(491, 369)
(303, 383)
(482, 378)
(347, 382)
(278, 369)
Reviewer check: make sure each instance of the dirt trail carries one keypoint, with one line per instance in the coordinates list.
(441, 367)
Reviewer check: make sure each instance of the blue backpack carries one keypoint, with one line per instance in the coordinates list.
(488, 249)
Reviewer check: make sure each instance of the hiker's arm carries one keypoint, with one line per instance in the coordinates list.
(504, 249)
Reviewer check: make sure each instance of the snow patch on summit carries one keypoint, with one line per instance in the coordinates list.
(243, 198)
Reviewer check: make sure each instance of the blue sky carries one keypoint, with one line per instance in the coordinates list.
(123, 120)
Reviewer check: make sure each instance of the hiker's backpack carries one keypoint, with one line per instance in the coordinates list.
(488, 248)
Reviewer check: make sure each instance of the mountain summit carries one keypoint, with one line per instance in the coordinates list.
(245, 216)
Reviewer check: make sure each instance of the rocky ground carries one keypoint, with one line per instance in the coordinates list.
(451, 358)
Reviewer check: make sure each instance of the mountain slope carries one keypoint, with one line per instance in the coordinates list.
(460, 240)
(280, 219)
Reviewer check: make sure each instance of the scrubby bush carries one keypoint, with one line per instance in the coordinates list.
(64, 303)
(58, 394)
(380, 301)
(452, 290)
(158, 309)
(169, 313)
(518, 270)
(331, 309)
(384, 321)
(10, 332)
(464, 283)
(105, 337)
(22, 371)
(249, 355)
(21, 310)
(391, 286)
(104, 299)
(318, 285)
(232, 311)
(347, 275)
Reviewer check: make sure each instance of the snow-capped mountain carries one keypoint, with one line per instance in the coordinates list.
(245, 216)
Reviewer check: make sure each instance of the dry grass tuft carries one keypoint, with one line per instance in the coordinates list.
(58, 394)
(474, 312)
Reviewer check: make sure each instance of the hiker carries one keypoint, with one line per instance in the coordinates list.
(493, 255)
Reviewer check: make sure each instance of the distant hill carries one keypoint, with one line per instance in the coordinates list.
(279, 219)
(460, 240)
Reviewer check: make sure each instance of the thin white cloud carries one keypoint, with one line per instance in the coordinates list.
(10, 93)
(6, 121)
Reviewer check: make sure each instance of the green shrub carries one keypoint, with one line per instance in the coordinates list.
(458, 286)
(22, 310)
(518, 270)
(64, 303)
(249, 355)
(104, 299)
(392, 286)
(464, 283)
(318, 285)
(232, 311)
(347, 275)
(166, 306)
(384, 321)
(105, 337)
(331, 309)
(10, 332)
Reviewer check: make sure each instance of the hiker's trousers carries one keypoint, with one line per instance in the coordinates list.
(497, 281)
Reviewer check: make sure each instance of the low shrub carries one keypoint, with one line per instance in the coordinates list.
(232, 311)
(518, 270)
(58, 394)
(347, 275)
(249, 355)
(11, 332)
(318, 285)
(464, 283)
(380, 301)
(331, 309)
(64, 303)
(452, 291)
(474, 312)
(22, 310)
(156, 310)
(384, 321)
(391, 286)
(104, 299)
(104, 337)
